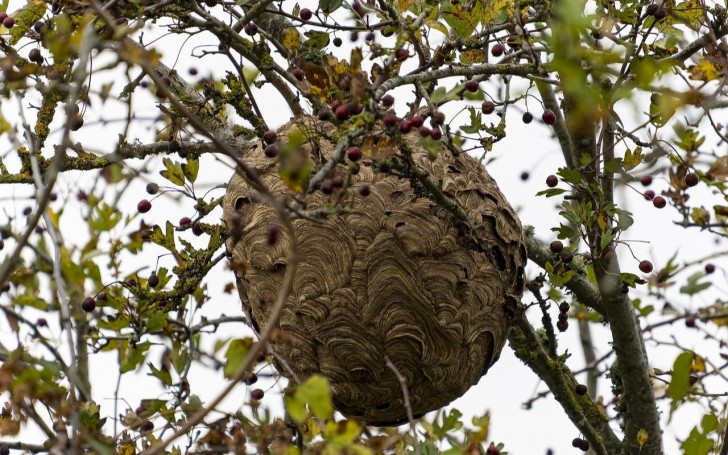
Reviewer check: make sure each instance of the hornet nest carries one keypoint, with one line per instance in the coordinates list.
(391, 275)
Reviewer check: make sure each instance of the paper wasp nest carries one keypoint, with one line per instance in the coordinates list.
(393, 274)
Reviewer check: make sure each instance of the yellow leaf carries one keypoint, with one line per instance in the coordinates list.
(404, 5)
(698, 364)
(642, 437)
(703, 71)
(700, 215)
(602, 220)
(127, 449)
(439, 26)
(720, 210)
(291, 39)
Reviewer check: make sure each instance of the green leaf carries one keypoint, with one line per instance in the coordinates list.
(169, 237)
(105, 218)
(190, 169)
(316, 39)
(680, 383)
(173, 172)
(572, 176)
(551, 192)
(624, 219)
(475, 122)
(156, 321)
(30, 300)
(693, 285)
(25, 18)
(462, 23)
(441, 95)
(632, 158)
(235, 355)
(132, 356)
(314, 392)
(329, 6)
(697, 443)
(162, 374)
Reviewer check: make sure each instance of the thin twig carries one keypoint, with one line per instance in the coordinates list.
(405, 394)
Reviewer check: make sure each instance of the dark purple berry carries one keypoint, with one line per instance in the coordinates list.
(436, 134)
(270, 137)
(527, 117)
(354, 154)
(338, 42)
(564, 307)
(405, 126)
(557, 246)
(580, 389)
(649, 195)
(144, 206)
(646, 266)
(9, 22)
(497, 50)
(257, 394)
(472, 86)
(488, 107)
(250, 378)
(387, 100)
(552, 181)
(88, 304)
(709, 268)
(691, 179)
(146, 426)
(417, 121)
(525, 175)
(342, 112)
(567, 257)
(153, 280)
(562, 326)
(548, 117)
(401, 55)
(659, 202)
(152, 188)
(389, 119)
(438, 118)
(305, 14)
(364, 189)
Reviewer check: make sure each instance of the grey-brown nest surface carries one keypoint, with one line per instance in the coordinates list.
(391, 275)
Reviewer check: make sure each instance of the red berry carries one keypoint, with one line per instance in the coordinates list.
(436, 134)
(492, 450)
(298, 73)
(497, 50)
(354, 154)
(388, 100)
(146, 426)
(88, 304)
(488, 107)
(552, 181)
(3, 15)
(250, 29)
(417, 121)
(646, 180)
(389, 119)
(270, 137)
(184, 221)
(305, 14)
(709, 268)
(401, 55)
(9, 22)
(438, 118)
(144, 206)
(472, 86)
(364, 189)
(342, 112)
(257, 394)
(548, 117)
(646, 266)
(649, 195)
(513, 41)
(271, 151)
(250, 378)
(557, 246)
(567, 257)
(692, 179)
(405, 126)
(562, 326)
(659, 202)
(424, 131)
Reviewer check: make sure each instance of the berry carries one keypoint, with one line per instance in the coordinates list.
(389, 119)
(354, 154)
(152, 188)
(257, 394)
(4, 450)
(548, 117)
(211, 3)
(401, 55)
(101, 296)
(579, 443)
(424, 131)
(388, 100)
(472, 86)
(497, 50)
(436, 134)
(690, 321)
(324, 114)
(76, 122)
(38, 26)
(354, 36)
(88, 304)
(338, 181)
(270, 137)
(298, 74)
(354, 108)
(185, 221)
(27, 211)
(327, 186)
(197, 229)
(525, 175)
(659, 202)
(9, 22)
(357, 8)
(649, 195)
(305, 14)
(709, 268)
(405, 126)
(342, 112)
(564, 307)
(260, 357)
(144, 206)
(272, 234)
(250, 29)
(556, 247)
(153, 280)
(41, 322)
(692, 179)
(646, 180)
(370, 36)
(250, 378)
(580, 389)
(562, 326)
(651, 9)
(173, 146)
(438, 118)
(338, 42)
(417, 121)
(192, 71)
(364, 189)
(552, 181)
(660, 13)
(527, 117)
(35, 56)
(488, 107)
(492, 450)
(146, 426)
(563, 316)
(646, 266)
(513, 41)
(567, 257)
(3, 15)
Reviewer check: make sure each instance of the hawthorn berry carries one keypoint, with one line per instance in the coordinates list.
(337, 42)
(438, 118)
(513, 41)
(144, 206)
(405, 126)
(257, 394)
(580, 389)
(327, 186)
(646, 266)
(369, 36)
(552, 181)
(341, 112)
(101, 296)
(365, 189)
(88, 304)
(35, 56)
(548, 117)
(354, 36)
(709, 268)
(646, 180)
(153, 280)
(9, 22)
(660, 13)
(417, 121)
(185, 221)
(562, 326)
(401, 54)
(472, 86)
(692, 179)
(649, 195)
(388, 100)
(436, 134)
(389, 119)
(354, 154)
(197, 229)
(424, 131)
(298, 74)
(173, 146)
(525, 175)
(146, 426)
(492, 450)
(250, 29)
(192, 71)
(488, 107)
(76, 122)
(659, 202)
(651, 9)
(250, 378)
(527, 117)
(497, 50)
(305, 14)
(557, 246)
(567, 257)
(270, 137)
